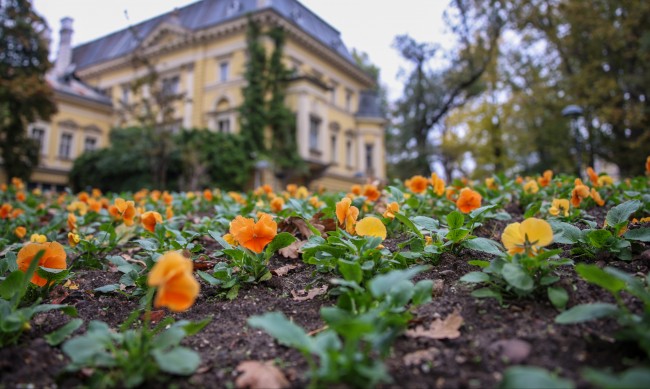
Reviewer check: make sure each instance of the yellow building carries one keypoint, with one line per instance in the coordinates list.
(200, 52)
(82, 123)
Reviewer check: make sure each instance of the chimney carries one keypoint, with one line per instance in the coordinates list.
(64, 55)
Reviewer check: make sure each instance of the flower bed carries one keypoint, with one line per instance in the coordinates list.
(528, 282)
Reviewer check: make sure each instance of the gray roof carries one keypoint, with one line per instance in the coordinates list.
(204, 14)
(70, 85)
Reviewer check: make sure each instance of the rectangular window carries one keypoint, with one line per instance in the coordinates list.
(126, 91)
(314, 130)
(223, 125)
(90, 143)
(65, 146)
(333, 151)
(223, 71)
(170, 85)
(348, 153)
(348, 100)
(370, 170)
(38, 134)
(333, 93)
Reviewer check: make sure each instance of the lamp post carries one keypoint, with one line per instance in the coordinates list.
(574, 112)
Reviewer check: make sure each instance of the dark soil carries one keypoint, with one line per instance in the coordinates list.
(493, 336)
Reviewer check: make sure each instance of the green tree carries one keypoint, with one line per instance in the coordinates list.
(252, 112)
(431, 93)
(264, 105)
(25, 96)
(600, 51)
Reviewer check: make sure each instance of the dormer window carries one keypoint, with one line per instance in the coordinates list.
(234, 7)
(296, 15)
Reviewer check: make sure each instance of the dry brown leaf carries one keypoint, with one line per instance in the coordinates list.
(294, 225)
(439, 329)
(281, 271)
(309, 294)
(258, 375)
(417, 357)
(323, 225)
(293, 250)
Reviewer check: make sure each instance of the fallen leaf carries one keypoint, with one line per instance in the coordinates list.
(439, 329)
(71, 285)
(295, 224)
(417, 357)
(258, 375)
(202, 265)
(309, 294)
(281, 271)
(438, 287)
(323, 225)
(293, 250)
(514, 350)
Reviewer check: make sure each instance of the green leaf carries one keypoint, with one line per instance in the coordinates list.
(598, 238)
(426, 223)
(55, 338)
(52, 275)
(484, 245)
(488, 293)
(475, 277)
(565, 233)
(396, 193)
(233, 292)
(351, 270)
(479, 262)
(208, 278)
(11, 284)
(280, 241)
(622, 212)
(529, 377)
(169, 338)
(532, 209)
(179, 360)
(107, 288)
(382, 284)
(586, 312)
(147, 244)
(409, 224)
(286, 332)
(517, 277)
(640, 234)
(457, 235)
(422, 292)
(216, 236)
(558, 296)
(598, 276)
(193, 327)
(634, 378)
(455, 220)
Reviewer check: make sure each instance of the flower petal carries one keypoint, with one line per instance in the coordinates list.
(371, 226)
(537, 231)
(512, 238)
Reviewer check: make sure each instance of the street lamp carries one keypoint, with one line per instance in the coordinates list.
(574, 112)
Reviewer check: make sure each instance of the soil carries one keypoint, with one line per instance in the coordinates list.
(493, 336)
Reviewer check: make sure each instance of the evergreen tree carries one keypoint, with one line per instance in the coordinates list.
(25, 96)
(252, 112)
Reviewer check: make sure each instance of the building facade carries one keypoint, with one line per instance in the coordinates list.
(199, 52)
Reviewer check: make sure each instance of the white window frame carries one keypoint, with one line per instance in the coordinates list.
(224, 71)
(95, 143)
(43, 141)
(70, 145)
(314, 133)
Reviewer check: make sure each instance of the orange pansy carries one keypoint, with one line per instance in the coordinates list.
(20, 232)
(391, 210)
(579, 192)
(123, 210)
(207, 195)
(277, 204)
(417, 184)
(254, 236)
(593, 177)
(177, 287)
(468, 200)
(371, 192)
(150, 219)
(596, 196)
(72, 222)
(53, 258)
(545, 179)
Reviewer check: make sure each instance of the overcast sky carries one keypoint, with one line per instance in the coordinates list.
(367, 25)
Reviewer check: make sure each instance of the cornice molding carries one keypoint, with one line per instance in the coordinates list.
(229, 28)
